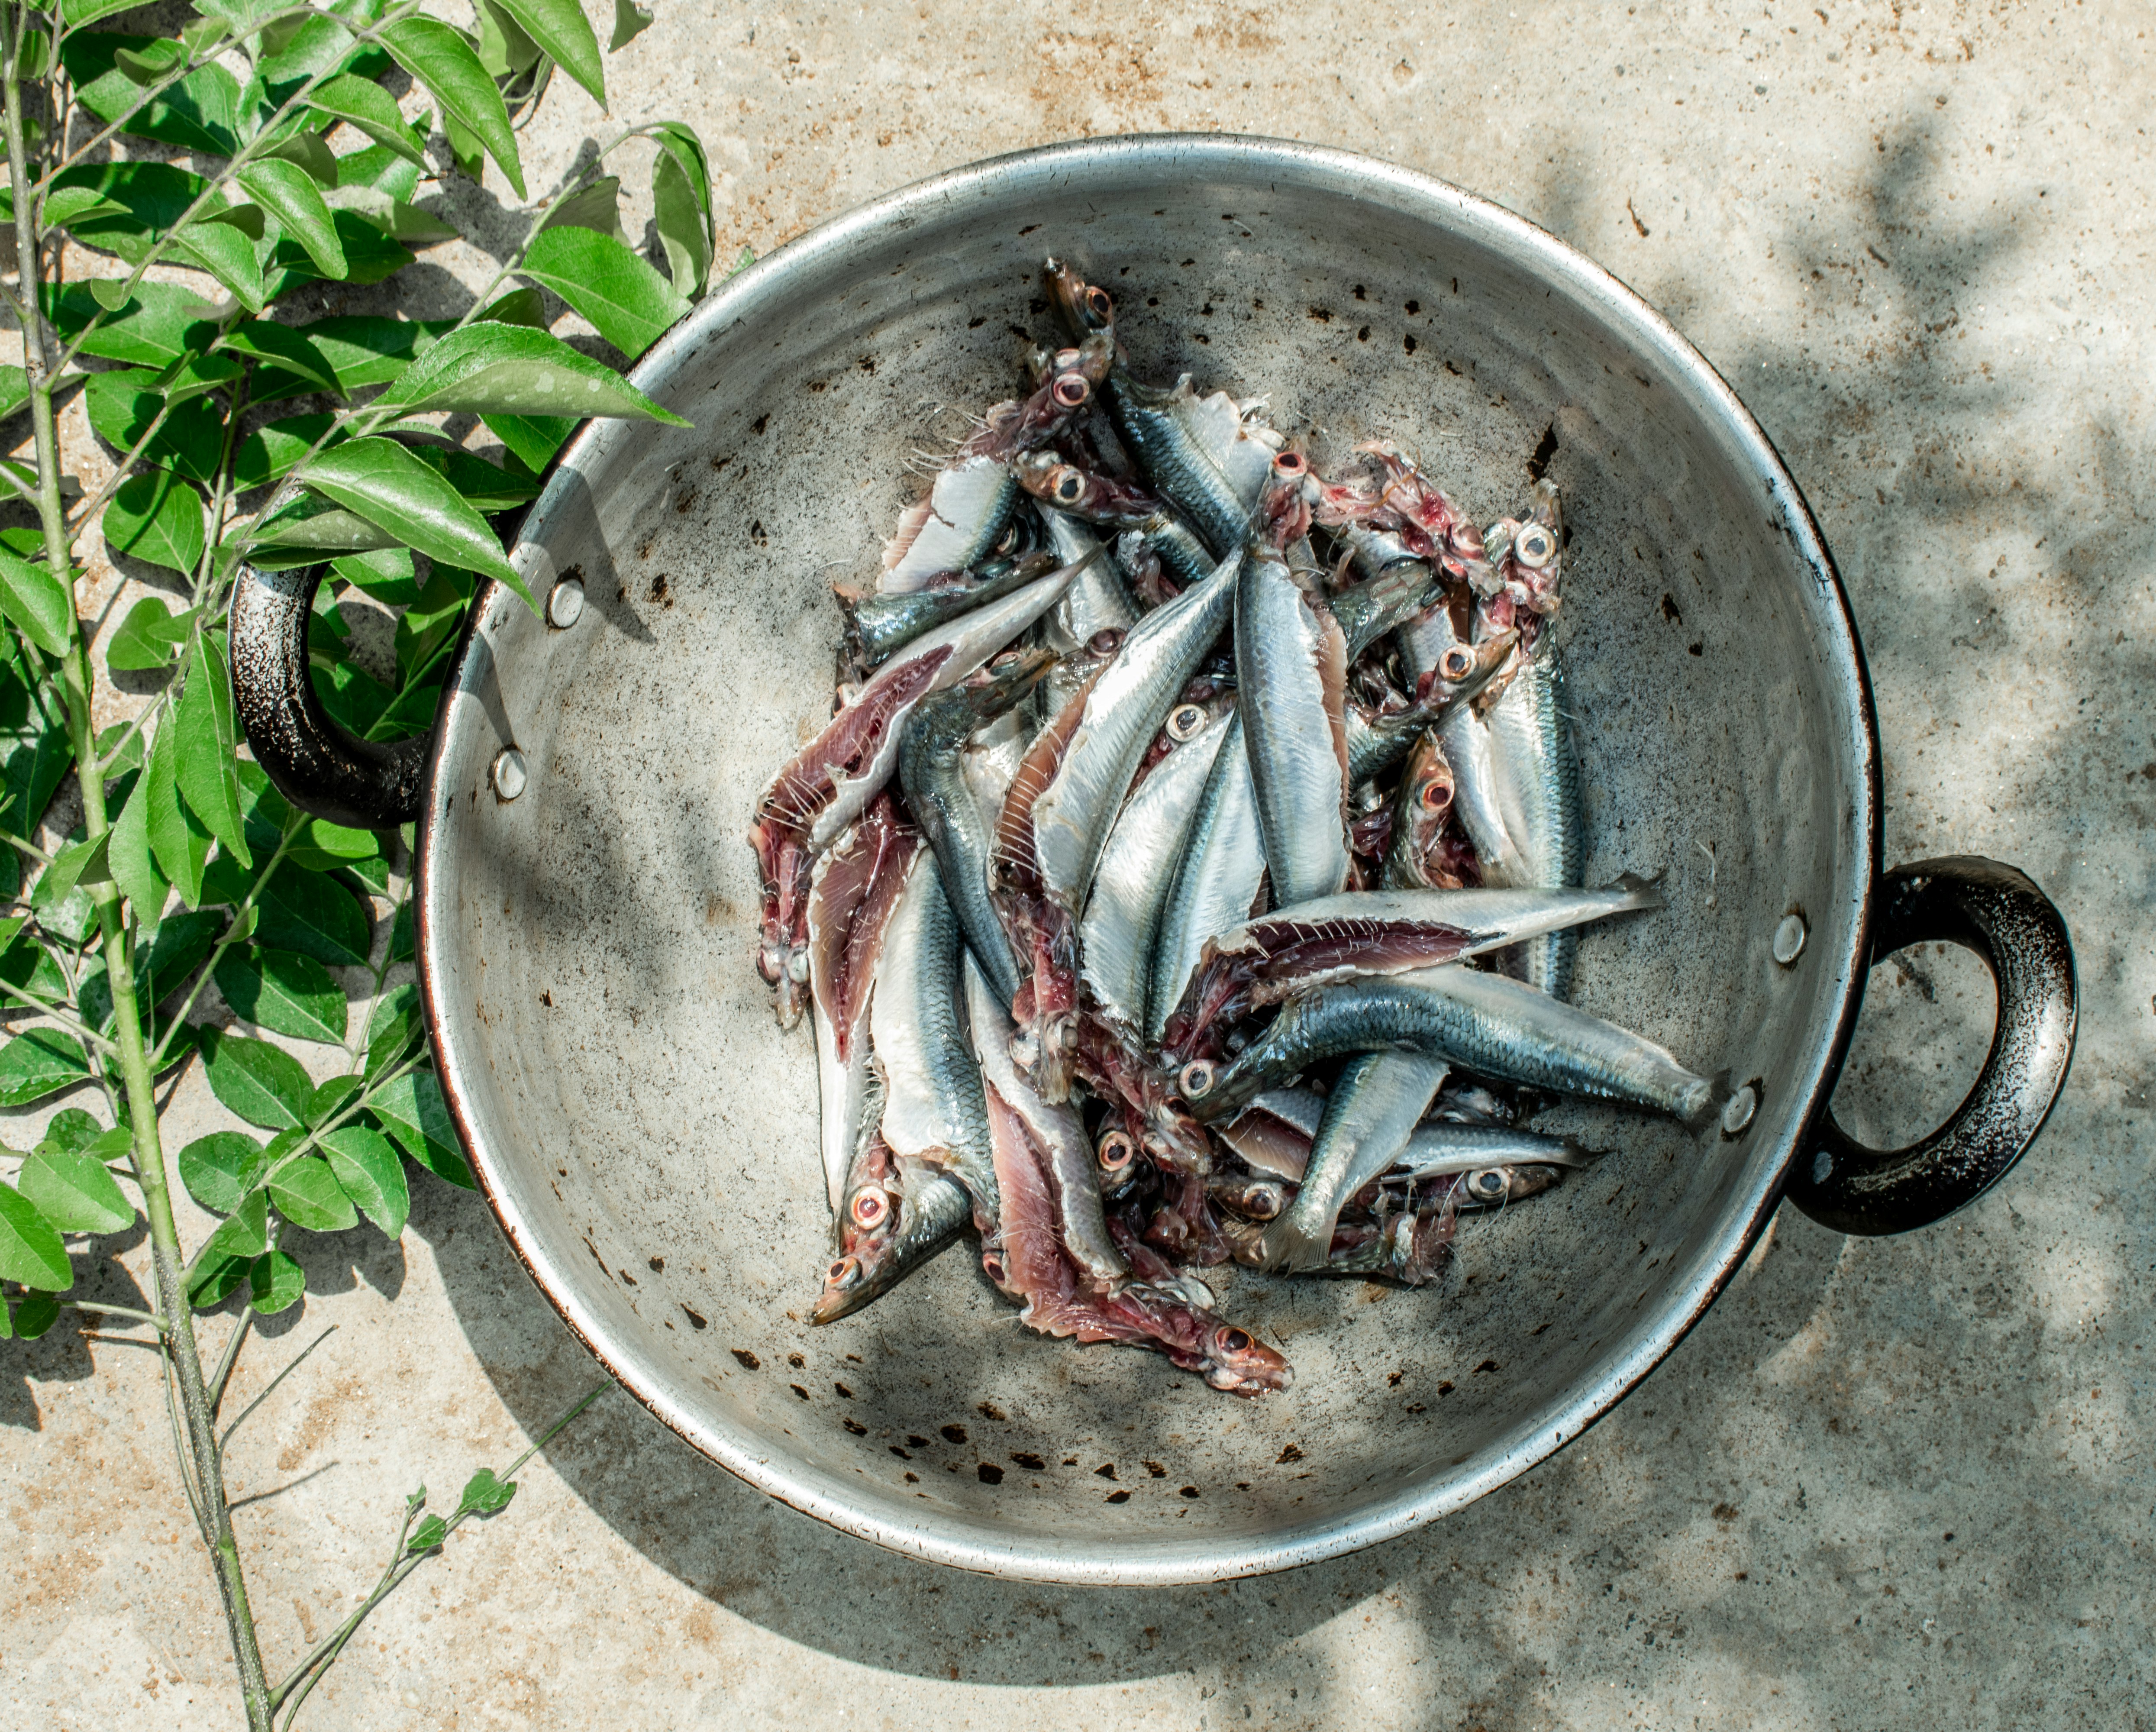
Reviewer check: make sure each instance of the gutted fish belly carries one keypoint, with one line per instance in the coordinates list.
(1216, 883)
(1097, 602)
(1057, 1133)
(955, 527)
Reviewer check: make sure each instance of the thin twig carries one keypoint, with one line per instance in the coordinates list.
(227, 1438)
(230, 1356)
(99, 1305)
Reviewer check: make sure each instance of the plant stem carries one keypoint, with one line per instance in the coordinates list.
(165, 1258)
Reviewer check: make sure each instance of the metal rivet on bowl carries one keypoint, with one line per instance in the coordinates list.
(565, 603)
(509, 772)
(1739, 1112)
(1790, 939)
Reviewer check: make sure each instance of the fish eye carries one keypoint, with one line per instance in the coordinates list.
(1228, 1339)
(1489, 1182)
(1185, 720)
(1289, 464)
(870, 1208)
(845, 1272)
(1099, 307)
(1066, 486)
(1196, 1079)
(1265, 1201)
(1457, 662)
(1071, 390)
(1435, 795)
(1117, 1152)
(992, 1265)
(1533, 546)
(1105, 643)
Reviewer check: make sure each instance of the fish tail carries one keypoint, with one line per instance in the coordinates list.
(1643, 892)
(1288, 1246)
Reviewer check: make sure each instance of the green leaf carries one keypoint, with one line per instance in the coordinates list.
(428, 1534)
(74, 1129)
(386, 575)
(306, 150)
(80, 12)
(36, 603)
(371, 1174)
(681, 208)
(306, 1194)
(75, 1192)
(35, 752)
(207, 736)
(82, 862)
(274, 1282)
(154, 195)
(42, 1062)
(627, 302)
(384, 483)
(487, 487)
(304, 912)
(402, 946)
(417, 1118)
(596, 207)
(148, 635)
(565, 37)
(369, 255)
(269, 453)
(630, 21)
(397, 1023)
(290, 351)
(323, 847)
(158, 325)
(430, 623)
(122, 405)
(515, 307)
(225, 250)
(14, 390)
(34, 1314)
(367, 349)
(441, 58)
(392, 215)
(531, 439)
(505, 49)
(129, 857)
(361, 104)
(262, 1084)
(485, 1495)
(179, 841)
(356, 700)
(244, 1233)
(157, 517)
(491, 368)
(307, 531)
(220, 1169)
(163, 965)
(194, 374)
(197, 114)
(283, 992)
(30, 1249)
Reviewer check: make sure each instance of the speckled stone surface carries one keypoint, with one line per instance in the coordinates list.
(1896, 1482)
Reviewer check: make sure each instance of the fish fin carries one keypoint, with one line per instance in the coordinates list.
(1286, 1246)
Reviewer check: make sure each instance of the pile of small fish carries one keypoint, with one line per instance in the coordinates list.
(1166, 773)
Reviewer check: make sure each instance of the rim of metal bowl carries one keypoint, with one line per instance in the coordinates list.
(1150, 1560)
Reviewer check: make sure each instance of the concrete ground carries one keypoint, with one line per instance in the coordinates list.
(1899, 1482)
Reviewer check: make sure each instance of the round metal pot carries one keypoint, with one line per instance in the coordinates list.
(647, 1135)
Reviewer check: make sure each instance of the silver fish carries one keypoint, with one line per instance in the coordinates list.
(1494, 1026)
(1436, 1149)
(1117, 936)
(954, 528)
(1097, 602)
(1401, 591)
(932, 770)
(920, 1212)
(1372, 1112)
(1216, 883)
(1057, 1132)
(1291, 669)
(1535, 776)
(934, 1109)
(829, 783)
(877, 624)
(1123, 712)
(1472, 756)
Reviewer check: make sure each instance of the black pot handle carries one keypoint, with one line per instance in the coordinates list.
(320, 768)
(1995, 911)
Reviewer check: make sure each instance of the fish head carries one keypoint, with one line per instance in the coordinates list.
(1003, 683)
(1053, 478)
(1251, 1197)
(1286, 502)
(1236, 1361)
(1085, 307)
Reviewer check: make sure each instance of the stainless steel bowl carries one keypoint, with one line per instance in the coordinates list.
(646, 1134)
